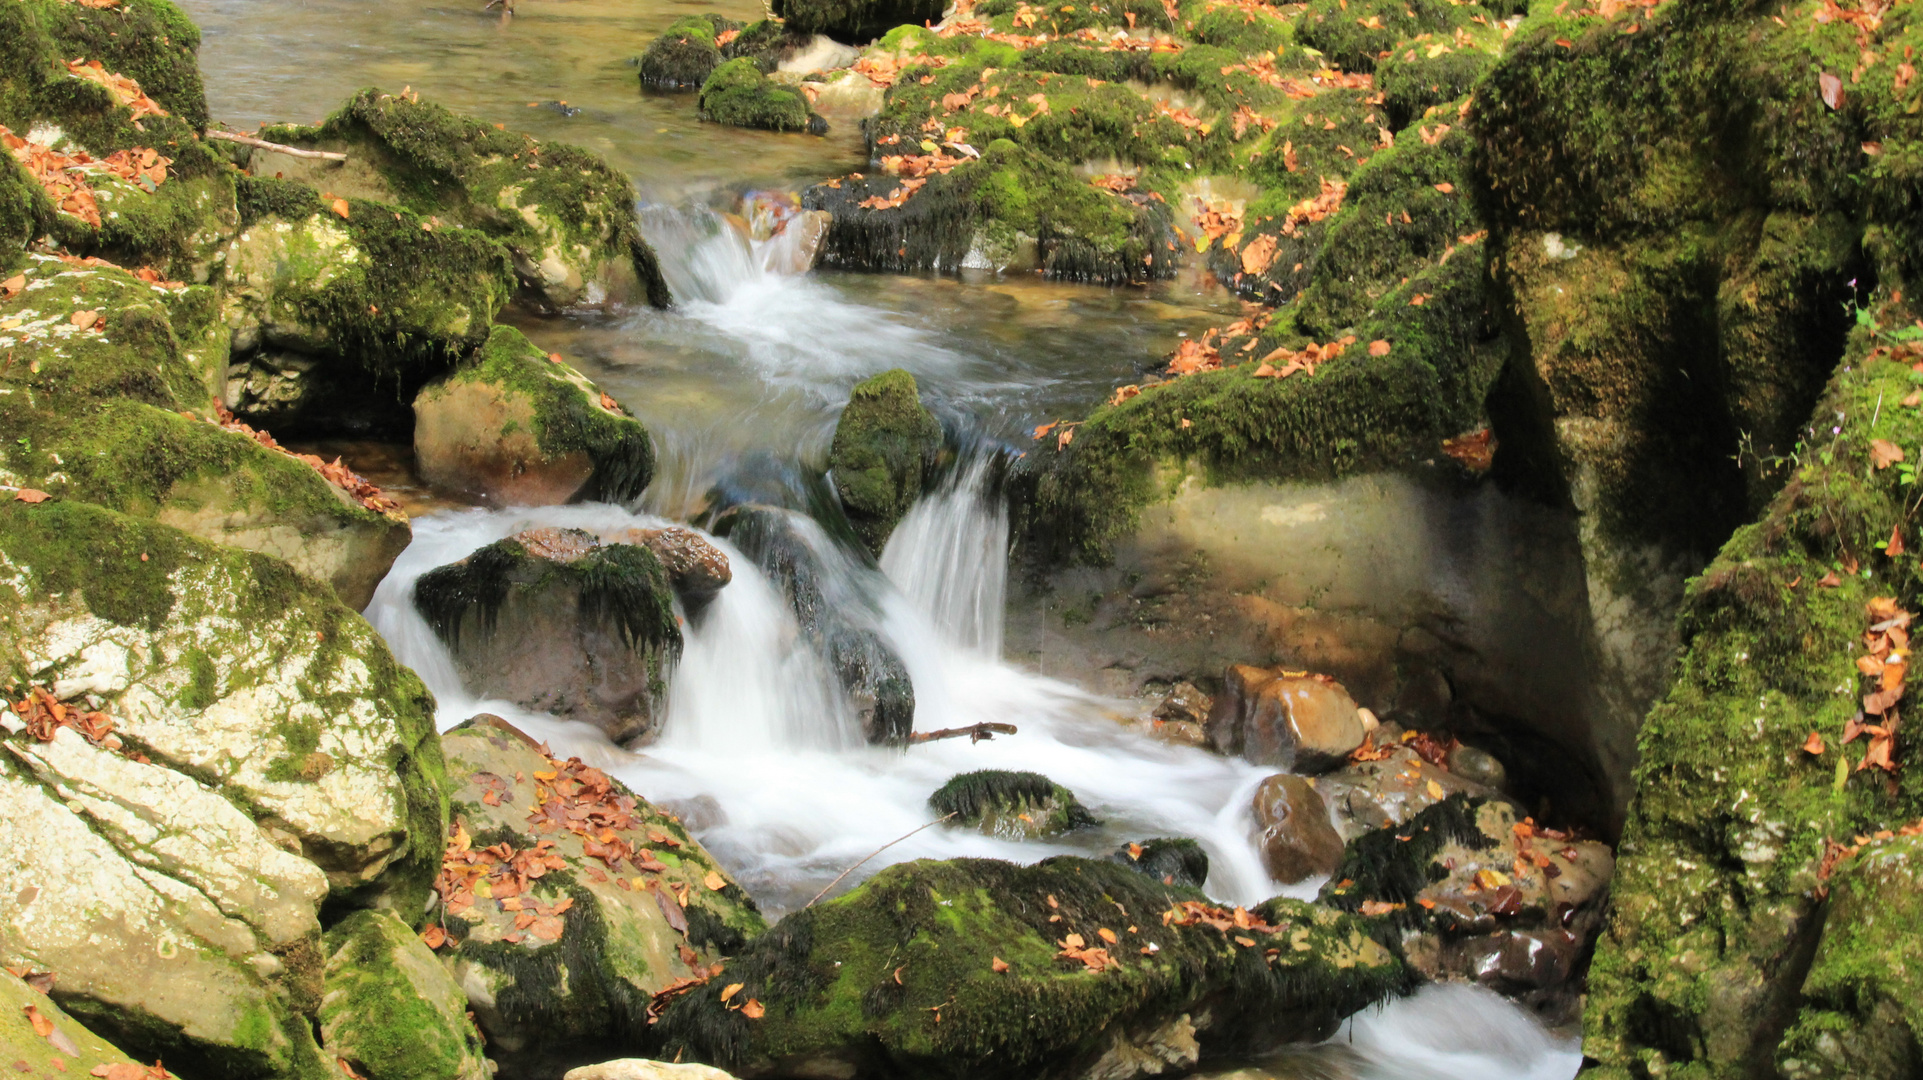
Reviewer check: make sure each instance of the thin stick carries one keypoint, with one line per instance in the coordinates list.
(292, 151)
(872, 854)
(974, 732)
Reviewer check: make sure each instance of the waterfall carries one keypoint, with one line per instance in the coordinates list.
(949, 558)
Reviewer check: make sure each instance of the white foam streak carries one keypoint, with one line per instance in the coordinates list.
(949, 557)
(1458, 1032)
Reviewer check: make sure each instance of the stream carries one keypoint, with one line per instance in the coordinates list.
(740, 385)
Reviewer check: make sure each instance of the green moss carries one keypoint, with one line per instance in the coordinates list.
(738, 93)
(1392, 865)
(1355, 35)
(390, 1009)
(885, 443)
(860, 981)
(685, 54)
(1011, 804)
(1171, 861)
(25, 211)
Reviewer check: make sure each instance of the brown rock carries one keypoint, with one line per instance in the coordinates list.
(1300, 722)
(1369, 795)
(479, 437)
(1298, 840)
(696, 568)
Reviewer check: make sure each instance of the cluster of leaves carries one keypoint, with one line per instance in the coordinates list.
(335, 472)
(45, 714)
(501, 874)
(63, 176)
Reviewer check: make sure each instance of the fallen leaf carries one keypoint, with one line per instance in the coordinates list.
(434, 937)
(1446, 188)
(714, 881)
(29, 495)
(1895, 546)
(1435, 790)
(1813, 745)
(1378, 348)
(752, 1009)
(1829, 581)
(11, 287)
(339, 206)
(1884, 453)
(731, 990)
(554, 358)
(42, 1026)
(1107, 935)
(1831, 89)
(997, 965)
(84, 318)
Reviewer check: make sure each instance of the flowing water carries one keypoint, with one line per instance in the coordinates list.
(740, 384)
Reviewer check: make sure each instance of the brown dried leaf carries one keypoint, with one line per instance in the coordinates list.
(1884, 454)
(1831, 89)
(29, 495)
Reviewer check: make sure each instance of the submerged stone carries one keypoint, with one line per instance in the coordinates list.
(885, 444)
(1011, 805)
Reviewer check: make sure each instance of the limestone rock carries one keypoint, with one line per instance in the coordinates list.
(927, 935)
(521, 429)
(1169, 861)
(642, 1069)
(272, 757)
(885, 443)
(1300, 722)
(557, 621)
(1298, 841)
(631, 926)
(68, 1049)
(389, 1008)
(1011, 805)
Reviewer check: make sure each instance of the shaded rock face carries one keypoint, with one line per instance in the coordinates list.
(1273, 717)
(885, 443)
(685, 54)
(1011, 805)
(1484, 896)
(834, 1006)
(68, 1048)
(389, 1009)
(1389, 782)
(612, 920)
(842, 622)
(855, 21)
(1297, 840)
(557, 621)
(1169, 861)
(271, 757)
(521, 428)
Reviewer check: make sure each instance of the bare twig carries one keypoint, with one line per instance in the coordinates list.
(292, 151)
(974, 733)
(872, 854)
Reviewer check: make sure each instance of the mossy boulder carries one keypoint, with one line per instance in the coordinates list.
(557, 621)
(521, 428)
(685, 54)
(738, 93)
(565, 216)
(69, 1048)
(272, 757)
(855, 21)
(1171, 861)
(1012, 805)
(632, 926)
(885, 444)
(389, 1008)
(25, 211)
(855, 985)
(835, 609)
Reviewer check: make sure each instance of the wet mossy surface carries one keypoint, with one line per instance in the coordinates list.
(1011, 804)
(1177, 861)
(389, 1009)
(685, 54)
(885, 445)
(857, 982)
(738, 93)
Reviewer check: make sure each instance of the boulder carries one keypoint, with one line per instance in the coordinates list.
(739, 93)
(839, 618)
(696, 569)
(390, 1010)
(856, 21)
(557, 621)
(251, 751)
(685, 54)
(1301, 722)
(1390, 780)
(642, 1069)
(1298, 840)
(568, 902)
(1011, 805)
(521, 428)
(1067, 967)
(65, 1048)
(565, 217)
(1170, 861)
(885, 444)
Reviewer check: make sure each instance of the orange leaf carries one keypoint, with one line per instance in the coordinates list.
(340, 207)
(554, 358)
(609, 403)
(1831, 89)
(1884, 454)
(731, 990)
(1813, 745)
(434, 937)
(1829, 580)
(42, 1026)
(1107, 935)
(1895, 546)
(29, 495)
(997, 965)
(753, 1010)
(11, 287)
(715, 881)
(1378, 348)
(1446, 188)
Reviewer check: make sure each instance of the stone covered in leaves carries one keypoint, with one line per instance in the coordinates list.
(37, 1033)
(521, 427)
(980, 967)
(557, 621)
(885, 444)
(568, 902)
(1013, 805)
(271, 756)
(389, 1009)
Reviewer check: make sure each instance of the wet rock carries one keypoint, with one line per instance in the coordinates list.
(271, 757)
(885, 443)
(1178, 861)
(1478, 766)
(1185, 704)
(739, 93)
(840, 620)
(1298, 721)
(1390, 781)
(1297, 839)
(68, 1049)
(389, 1009)
(819, 53)
(641, 1069)
(697, 569)
(856, 21)
(573, 945)
(850, 986)
(686, 53)
(1011, 805)
(557, 621)
(522, 429)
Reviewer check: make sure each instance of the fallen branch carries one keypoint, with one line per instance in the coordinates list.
(292, 151)
(974, 732)
(877, 851)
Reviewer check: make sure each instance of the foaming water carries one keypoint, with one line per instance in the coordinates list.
(949, 558)
(1445, 1031)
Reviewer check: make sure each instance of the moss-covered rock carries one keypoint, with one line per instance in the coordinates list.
(1177, 861)
(389, 1009)
(25, 212)
(271, 757)
(855, 21)
(631, 926)
(514, 425)
(1013, 805)
(69, 1048)
(566, 216)
(557, 621)
(738, 93)
(885, 443)
(685, 54)
(1000, 953)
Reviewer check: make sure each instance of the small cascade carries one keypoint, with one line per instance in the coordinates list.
(949, 558)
